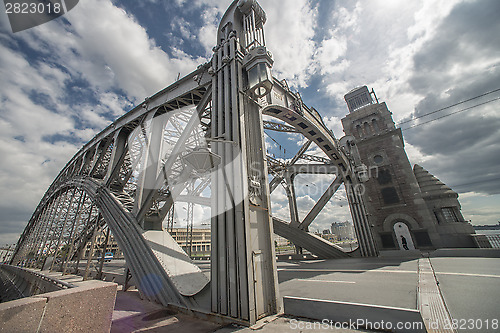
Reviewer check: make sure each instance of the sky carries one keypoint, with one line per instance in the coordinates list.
(64, 81)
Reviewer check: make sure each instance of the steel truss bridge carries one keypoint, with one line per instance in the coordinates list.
(200, 141)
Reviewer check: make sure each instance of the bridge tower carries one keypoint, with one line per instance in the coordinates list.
(393, 194)
(403, 202)
(244, 276)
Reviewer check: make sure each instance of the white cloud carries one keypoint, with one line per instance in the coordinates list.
(110, 49)
(207, 33)
(374, 45)
(335, 124)
(106, 48)
(415, 155)
(289, 36)
(362, 43)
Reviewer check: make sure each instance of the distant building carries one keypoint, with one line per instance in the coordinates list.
(488, 227)
(343, 230)
(405, 205)
(200, 244)
(280, 241)
(199, 240)
(99, 246)
(332, 238)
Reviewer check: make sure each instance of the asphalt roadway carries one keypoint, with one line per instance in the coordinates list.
(470, 286)
(371, 281)
(471, 290)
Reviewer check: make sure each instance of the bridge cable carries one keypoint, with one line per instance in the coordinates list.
(279, 145)
(450, 114)
(476, 182)
(429, 113)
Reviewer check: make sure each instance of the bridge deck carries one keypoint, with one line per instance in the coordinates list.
(469, 286)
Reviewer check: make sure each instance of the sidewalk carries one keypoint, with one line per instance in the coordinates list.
(133, 314)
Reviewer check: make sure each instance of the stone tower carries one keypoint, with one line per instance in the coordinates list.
(402, 215)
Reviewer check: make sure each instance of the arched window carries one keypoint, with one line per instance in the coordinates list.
(375, 126)
(359, 131)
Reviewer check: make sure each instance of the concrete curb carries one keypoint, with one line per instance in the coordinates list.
(483, 253)
(400, 254)
(21, 315)
(294, 256)
(356, 315)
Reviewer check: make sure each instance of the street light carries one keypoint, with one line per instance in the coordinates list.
(258, 63)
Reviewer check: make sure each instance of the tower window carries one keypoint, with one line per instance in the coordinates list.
(384, 176)
(375, 126)
(449, 214)
(378, 159)
(422, 238)
(359, 131)
(390, 195)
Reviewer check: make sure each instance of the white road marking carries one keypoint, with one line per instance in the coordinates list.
(469, 274)
(307, 280)
(347, 270)
(383, 271)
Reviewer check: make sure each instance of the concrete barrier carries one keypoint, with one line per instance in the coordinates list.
(86, 308)
(21, 315)
(355, 315)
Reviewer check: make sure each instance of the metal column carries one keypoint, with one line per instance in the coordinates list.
(244, 278)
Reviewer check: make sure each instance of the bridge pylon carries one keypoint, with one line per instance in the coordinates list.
(244, 278)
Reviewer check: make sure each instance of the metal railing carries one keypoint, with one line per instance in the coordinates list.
(487, 241)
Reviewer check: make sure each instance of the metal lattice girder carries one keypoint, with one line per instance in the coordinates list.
(278, 169)
(292, 199)
(317, 169)
(288, 107)
(172, 169)
(279, 127)
(315, 158)
(301, 152)
(115, 161)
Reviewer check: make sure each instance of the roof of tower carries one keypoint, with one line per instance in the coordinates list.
(430, 186)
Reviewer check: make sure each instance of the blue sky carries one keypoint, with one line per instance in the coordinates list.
(64, 81)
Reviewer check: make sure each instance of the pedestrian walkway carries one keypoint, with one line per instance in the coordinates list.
(133, 314)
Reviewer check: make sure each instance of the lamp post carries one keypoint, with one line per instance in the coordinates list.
(258, 62)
